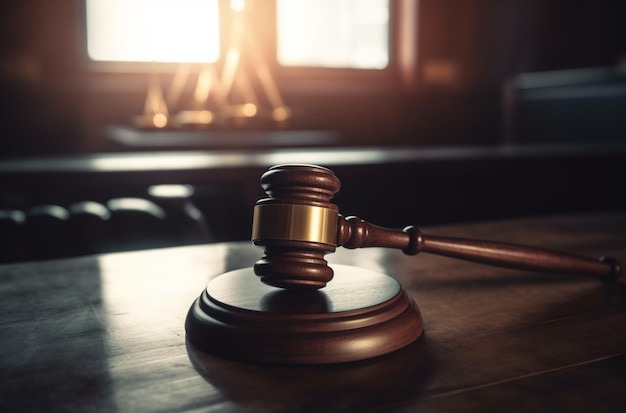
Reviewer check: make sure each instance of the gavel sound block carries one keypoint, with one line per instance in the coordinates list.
(297, 316)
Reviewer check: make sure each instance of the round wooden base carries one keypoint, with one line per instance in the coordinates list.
(360, 314)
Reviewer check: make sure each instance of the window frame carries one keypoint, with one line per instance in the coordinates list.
(399, 74)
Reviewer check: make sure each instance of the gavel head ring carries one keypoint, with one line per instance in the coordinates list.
(297, 225)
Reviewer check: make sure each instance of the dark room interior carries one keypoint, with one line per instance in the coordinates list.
(486, 109)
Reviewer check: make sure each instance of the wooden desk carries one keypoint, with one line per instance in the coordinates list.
(106, 333)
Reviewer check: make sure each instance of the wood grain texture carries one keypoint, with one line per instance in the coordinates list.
(106, 333)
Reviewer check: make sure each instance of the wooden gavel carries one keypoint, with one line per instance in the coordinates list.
(298, 225)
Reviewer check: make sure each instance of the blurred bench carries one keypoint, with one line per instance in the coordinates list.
(49, 231)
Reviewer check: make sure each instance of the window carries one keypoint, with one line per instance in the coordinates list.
(333, 33)
(236, 62)
(320, 33)
(153, 30)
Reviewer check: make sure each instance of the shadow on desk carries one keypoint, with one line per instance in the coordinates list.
(330, 388)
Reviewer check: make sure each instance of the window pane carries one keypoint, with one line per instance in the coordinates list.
(153, 30)
(333, 33)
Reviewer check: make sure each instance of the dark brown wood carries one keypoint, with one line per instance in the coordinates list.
(293, 264)
(106, 333)
(519, 256)
(363, 314)
(356, 233)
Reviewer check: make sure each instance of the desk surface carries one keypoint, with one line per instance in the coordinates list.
(106, 333)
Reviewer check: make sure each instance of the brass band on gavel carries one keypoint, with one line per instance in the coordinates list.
(295, 222)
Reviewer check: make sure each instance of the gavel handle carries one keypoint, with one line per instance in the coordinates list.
(356, 233)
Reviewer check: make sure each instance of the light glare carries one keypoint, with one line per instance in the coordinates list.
(153, 30)
(159, 120)
(333, 33)
(237, 5)
(249, 110)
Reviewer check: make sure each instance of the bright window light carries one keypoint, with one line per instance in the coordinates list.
(153, 30)
(333, 33)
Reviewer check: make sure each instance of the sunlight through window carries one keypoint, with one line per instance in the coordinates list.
(333, 33)
(153, 30)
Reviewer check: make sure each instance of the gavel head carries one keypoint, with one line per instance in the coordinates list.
(297, 226)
